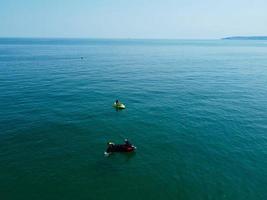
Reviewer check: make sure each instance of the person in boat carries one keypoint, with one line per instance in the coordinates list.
(110, 147)
(111, 144)
(127, 143)
(117, 102)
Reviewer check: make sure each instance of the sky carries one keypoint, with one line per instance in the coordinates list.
(170, 19)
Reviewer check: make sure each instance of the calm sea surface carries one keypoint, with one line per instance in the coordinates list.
(196, 110)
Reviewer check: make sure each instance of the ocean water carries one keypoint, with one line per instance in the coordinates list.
(196, 110)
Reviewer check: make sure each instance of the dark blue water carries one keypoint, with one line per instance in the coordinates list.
(196, 110)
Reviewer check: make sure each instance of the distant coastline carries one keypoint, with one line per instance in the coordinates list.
(245, 38)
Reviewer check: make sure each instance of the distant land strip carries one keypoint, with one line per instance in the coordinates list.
(246, 38)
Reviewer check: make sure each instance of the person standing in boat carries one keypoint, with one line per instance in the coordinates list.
(117, 102)
(110, 147)
(127, 143)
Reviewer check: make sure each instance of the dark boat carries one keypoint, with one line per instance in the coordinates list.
(127, 147)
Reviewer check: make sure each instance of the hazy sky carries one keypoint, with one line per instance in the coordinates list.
(132, 18)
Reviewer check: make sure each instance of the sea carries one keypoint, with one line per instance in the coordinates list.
(195, 109)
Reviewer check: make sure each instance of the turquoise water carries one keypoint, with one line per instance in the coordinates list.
(196, 110)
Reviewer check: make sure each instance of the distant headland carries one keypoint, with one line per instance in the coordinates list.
(246, 38)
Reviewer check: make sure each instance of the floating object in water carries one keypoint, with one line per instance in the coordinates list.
(127, 147)
(119, 105)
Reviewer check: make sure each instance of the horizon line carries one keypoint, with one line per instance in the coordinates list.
(104, 38)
